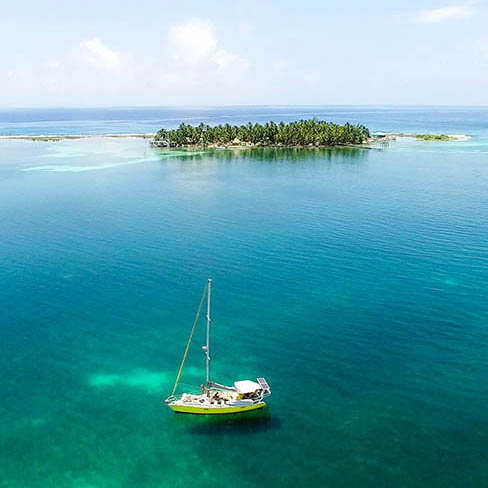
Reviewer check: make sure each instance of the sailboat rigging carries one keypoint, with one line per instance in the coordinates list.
(215, 398)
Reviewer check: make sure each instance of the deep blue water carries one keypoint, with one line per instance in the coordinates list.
(465, 120)
(354, 280)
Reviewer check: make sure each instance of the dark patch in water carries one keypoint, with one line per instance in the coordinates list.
(236, 424)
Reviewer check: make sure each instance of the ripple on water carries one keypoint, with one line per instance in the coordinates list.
(356, 284)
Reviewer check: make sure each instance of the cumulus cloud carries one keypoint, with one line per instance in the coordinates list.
(443, 14)
(227, 62)
(193, 41)
(191, 62)
(194, 44)
(95, 53)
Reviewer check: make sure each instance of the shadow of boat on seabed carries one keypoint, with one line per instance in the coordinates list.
(237, 424)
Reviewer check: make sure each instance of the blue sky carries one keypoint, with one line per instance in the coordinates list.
(110, 53)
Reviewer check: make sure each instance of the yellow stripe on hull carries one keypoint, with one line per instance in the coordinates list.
(215, 410)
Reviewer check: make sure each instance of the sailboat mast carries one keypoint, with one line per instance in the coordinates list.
(207, 347)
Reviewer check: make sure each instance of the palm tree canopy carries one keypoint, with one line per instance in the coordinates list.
(300, 133)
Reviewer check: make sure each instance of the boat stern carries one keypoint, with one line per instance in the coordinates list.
(264, 385)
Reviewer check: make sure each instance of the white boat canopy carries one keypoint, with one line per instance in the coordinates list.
(247, 386)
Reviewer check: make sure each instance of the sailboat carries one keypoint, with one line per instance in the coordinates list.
(214, 398)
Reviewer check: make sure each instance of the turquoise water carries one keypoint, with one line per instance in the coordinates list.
(355, 281)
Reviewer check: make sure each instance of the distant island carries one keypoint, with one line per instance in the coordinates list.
(432, 137)
(420, 137)
(303, 133)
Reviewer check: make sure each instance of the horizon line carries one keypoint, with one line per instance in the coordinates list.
(118, 107)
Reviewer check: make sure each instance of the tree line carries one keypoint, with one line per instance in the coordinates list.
(300, 133)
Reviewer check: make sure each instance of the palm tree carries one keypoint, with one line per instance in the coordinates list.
(299, 133)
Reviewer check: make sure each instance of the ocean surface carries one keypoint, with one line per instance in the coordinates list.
(354, 280)
(472, 120)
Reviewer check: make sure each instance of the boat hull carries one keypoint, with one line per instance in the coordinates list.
(215, 410)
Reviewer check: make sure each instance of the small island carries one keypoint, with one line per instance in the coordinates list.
(390, 136)
(432, 137)
(302, 133)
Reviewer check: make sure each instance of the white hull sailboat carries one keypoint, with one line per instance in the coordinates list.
(214, 398)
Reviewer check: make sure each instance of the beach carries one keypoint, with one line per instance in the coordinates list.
(58, 137)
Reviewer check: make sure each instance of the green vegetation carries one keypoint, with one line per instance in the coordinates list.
(302, 133)
(432, 137)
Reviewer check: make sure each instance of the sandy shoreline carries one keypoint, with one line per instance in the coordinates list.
(376, 136)
(413, 135)
(50, 138)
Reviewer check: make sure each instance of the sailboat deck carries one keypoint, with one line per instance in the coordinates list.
(208, 404)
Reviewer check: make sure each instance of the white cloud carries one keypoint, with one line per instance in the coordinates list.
(194, 46)
(193, 41)
(443, 14)
(94, 52)
(227, 62)
(191, 65)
